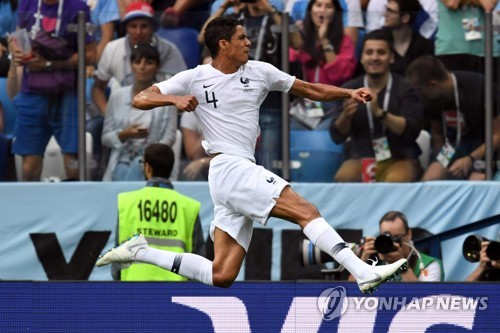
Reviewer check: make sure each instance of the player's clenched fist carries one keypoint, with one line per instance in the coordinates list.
(362, 95)
(186, 103)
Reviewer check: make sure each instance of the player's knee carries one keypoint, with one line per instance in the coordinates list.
(223, 280)
(307, 210)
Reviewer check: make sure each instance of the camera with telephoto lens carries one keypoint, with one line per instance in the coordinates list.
(310, 255)
(472, 247)
(385, 243)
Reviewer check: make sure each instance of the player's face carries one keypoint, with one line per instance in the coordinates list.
(238, 49)
(144, 69)
(376, 57)
(322, 12)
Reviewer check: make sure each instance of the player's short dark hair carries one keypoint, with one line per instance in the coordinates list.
(425, 69)
(380, 34)
(145, 50)
(410, 7)
(392, 216)
(161, 159)
(219, 28)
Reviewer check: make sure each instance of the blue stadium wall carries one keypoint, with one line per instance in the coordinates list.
(55, 231)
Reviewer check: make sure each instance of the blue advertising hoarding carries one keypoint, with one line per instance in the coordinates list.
(247, 307)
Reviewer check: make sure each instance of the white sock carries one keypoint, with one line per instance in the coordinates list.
(324, 237)
(189, 265)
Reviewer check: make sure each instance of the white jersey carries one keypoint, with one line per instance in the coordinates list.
(229, 104)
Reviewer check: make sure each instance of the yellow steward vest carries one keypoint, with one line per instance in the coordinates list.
(165, 217)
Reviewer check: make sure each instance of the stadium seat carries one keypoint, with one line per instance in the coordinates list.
(177, 148)
(314, 157)
(424, 142)
(53, 163)
(10, 113)
(186, 39)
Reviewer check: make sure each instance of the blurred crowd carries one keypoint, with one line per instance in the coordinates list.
(424, 60)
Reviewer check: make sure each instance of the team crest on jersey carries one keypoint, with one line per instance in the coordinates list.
(270, 180)
(244, 81)
(246, 84)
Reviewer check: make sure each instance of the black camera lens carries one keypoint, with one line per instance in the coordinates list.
(493, 250)
(384, 244)
(311, 255)
(472, 247)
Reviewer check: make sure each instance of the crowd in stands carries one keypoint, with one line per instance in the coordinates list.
(423, 59)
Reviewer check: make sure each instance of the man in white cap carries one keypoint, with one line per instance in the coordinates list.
(139, 25)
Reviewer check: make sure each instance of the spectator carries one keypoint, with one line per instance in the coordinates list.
(198, 160)
(127, 131)
(487, 269)
(460, 38)
(384, 129)
(114, 69)
(177, 232)
(400, 15)
(114, 64)
(328, 54)
(43, 110)
(104, 14)
(426, 22)
(183, 13)
(8, 17)
(8, 21)
(455, 100)
(422, 267)
(352, 15)
(4, 144)
(14, 75)
(233, 9)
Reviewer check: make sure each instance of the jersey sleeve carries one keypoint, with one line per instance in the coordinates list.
(177, 84)
(277, 80)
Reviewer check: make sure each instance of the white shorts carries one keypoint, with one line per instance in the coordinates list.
(242, 192)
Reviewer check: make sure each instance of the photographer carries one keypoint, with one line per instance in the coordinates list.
(487, 270)
(395, 225)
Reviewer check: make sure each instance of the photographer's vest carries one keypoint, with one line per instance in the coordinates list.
(165, 217)
(427, 260)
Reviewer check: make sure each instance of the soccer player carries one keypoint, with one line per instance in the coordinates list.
(225, 96)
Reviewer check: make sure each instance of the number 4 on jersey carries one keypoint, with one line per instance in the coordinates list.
(213, 100)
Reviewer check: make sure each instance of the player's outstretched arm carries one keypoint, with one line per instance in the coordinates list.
(324, 92)
(152, 97)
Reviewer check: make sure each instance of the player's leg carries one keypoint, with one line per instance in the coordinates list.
(228, 258)
(136, 249)
(292, 207)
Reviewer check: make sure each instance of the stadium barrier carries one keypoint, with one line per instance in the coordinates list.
(247, 307)
(55, 231)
